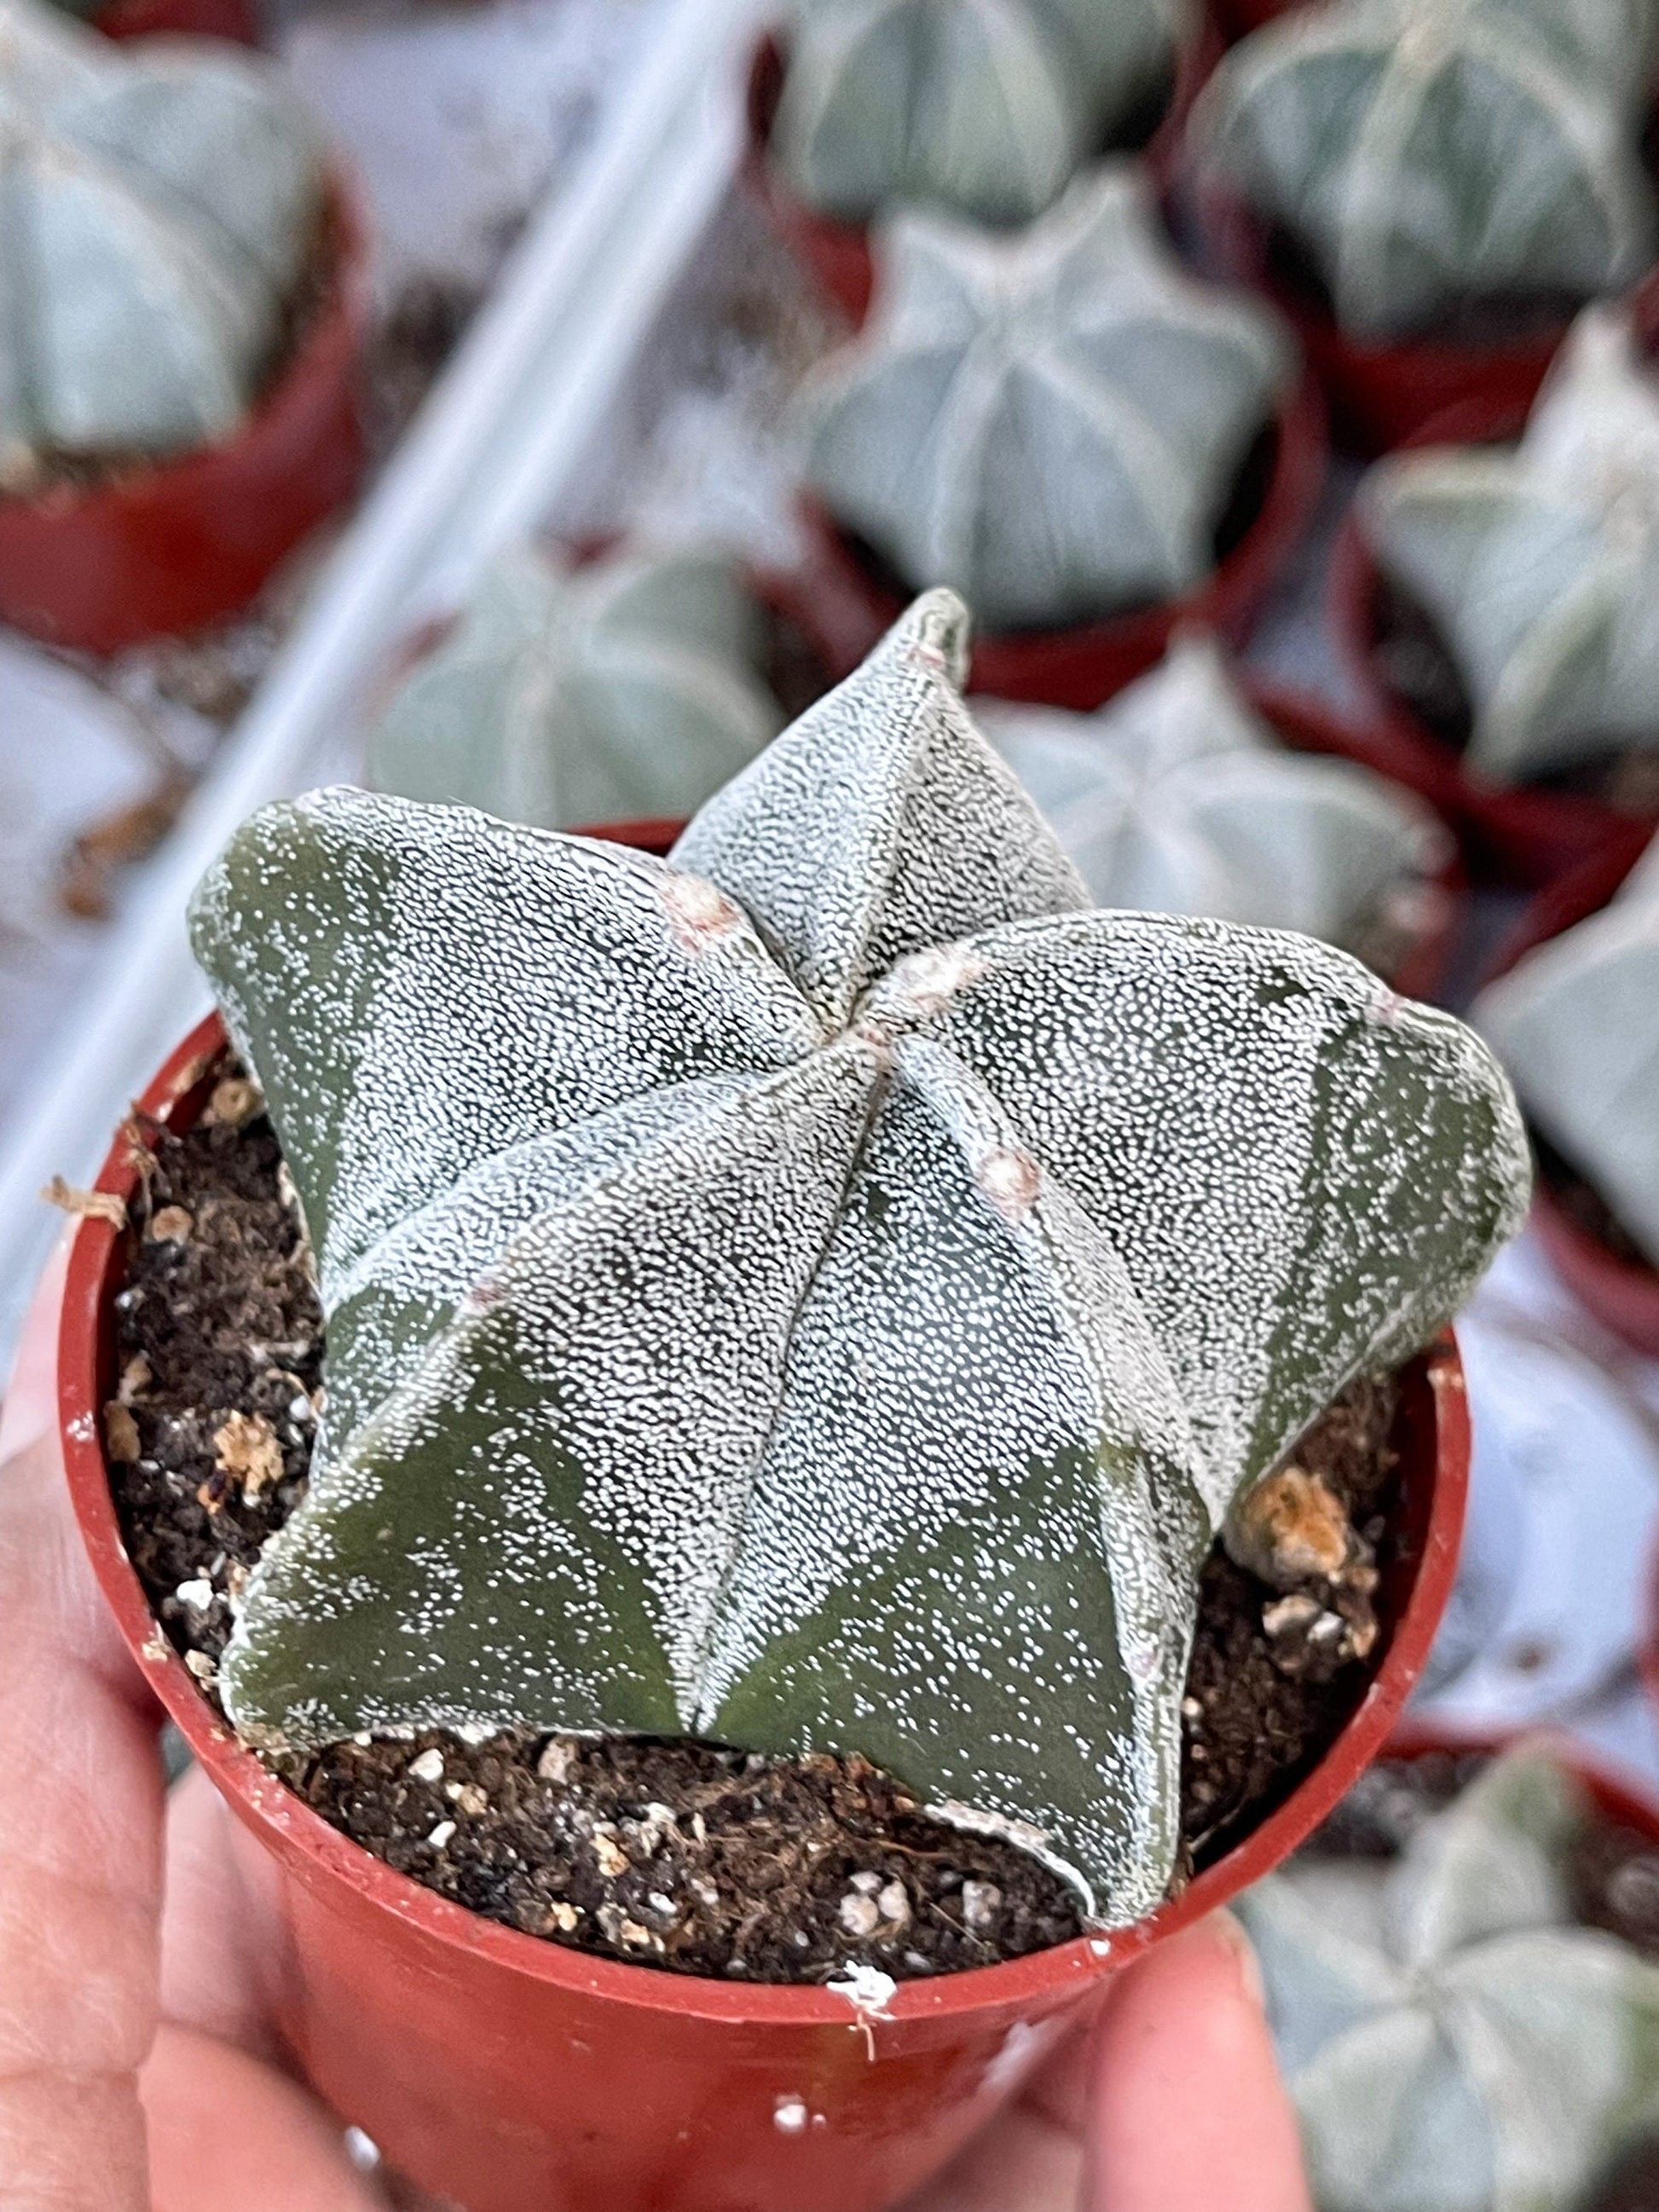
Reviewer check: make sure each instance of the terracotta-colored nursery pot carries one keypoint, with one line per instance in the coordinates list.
(837, 253)
(848, 608)
(1623, 1799)
(1381, 392)
(1622, 1294)
(509, 2074)
(172, 545)
(1238, 18)
(1521, 833)
(205, 18)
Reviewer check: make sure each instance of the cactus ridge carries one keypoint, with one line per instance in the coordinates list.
(784, 1293)
(1051, 422)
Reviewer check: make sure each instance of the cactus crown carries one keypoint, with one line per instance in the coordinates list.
(1449, 2038)
(1178, 797)
(982, 107)
(1576, 1023)
(628, 687)
(1431, 154)
(1052, 423)
(157, 205)
(1539, 562)
(793, 1293)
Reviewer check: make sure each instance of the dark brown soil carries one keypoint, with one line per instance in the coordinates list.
(1633, 2186)
(1582, 1202)
(683, 1856)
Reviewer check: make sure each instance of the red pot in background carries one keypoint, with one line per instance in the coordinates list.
(1623, 1294)
(1623, 1799)
(1520, 834)
(837, 253)
(506, 2073)
(172, 545)
(846, 608)
(1238, 18)
(206, 19)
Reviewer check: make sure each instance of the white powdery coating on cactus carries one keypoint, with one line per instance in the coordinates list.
(1576, 1024)
(1448, 2037)
(756, 1306)
(1051, 421)
(1431, 154)
(1177, 797)
(156, 208)
(1539, 562)
(625, 688)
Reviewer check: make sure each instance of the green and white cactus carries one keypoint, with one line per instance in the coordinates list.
(158, 205)
(1539, 562)
(1051, 422)
(985, 108)
(1452, 2041)
(1178, 797)
(622, 688)
(1433, 155)
(794, 1293)
(1576, 1024)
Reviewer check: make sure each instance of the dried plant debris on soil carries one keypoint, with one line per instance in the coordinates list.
(685, 1856)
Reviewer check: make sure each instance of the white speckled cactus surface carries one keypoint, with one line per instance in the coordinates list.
(1576, 1024)
(984, 106)
(1539, 562)
(158, 204)
(1177, 797)
(1435, 154)
(823, 1290)
(627, 688)
(1052, 423)
(1453, 2042)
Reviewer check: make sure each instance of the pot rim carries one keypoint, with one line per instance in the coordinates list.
(1621, 1792)
(322, 1855)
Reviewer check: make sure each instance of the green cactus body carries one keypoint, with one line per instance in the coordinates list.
(627, 688)
(981, 107)
(1540, 563)
(1576, 1024)
(1177, 797)
(1052, 423)
(1432, 154)
(157, 206)
(1453, 2044)
(785, 1293)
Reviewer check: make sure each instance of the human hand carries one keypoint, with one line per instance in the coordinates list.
(139, 2070)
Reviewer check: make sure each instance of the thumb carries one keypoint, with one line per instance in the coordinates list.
(1189, 2113)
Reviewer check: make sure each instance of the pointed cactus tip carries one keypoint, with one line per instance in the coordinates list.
(939, 625)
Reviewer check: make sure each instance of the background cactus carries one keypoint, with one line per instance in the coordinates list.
(161, 204)
(1431, 156)
(1452, 2041)
(624, 689)
(985, 106)
(790, 1293)
(1177, 797)
(1052, 423)
(1540, 563)
(1576, 1023)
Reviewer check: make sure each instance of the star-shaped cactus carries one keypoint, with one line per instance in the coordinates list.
(824, 1290)
(1451, 2040)
(1052, 421)
(1177, 797)
(982, 107)
(1576, 1024)
(624, 689)
(1434, 154)
(1539, 562)
(159, 206)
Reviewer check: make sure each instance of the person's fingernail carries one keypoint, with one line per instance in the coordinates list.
(1231, 1933)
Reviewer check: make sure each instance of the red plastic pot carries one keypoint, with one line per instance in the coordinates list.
(197, 18)
(1381, 392)
(1624, 1800)
(1238, 18)
(845, 609)
(170, 547)
(1623, 1294)
(838, 253)
(1517, 833)
(506, 2073)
